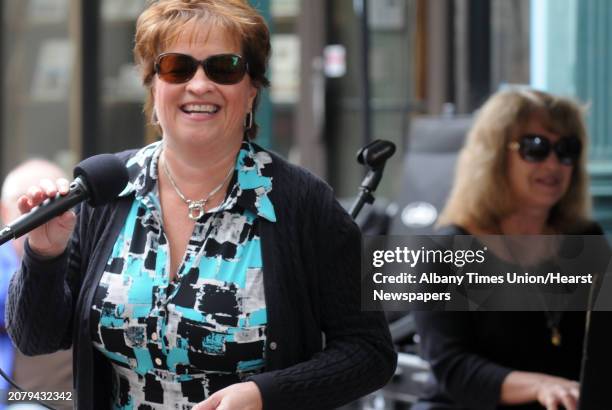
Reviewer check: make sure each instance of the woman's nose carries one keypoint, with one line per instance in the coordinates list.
(552, 160)
(199, 83)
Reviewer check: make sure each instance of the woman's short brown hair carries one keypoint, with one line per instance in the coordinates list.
(481, 194)
(164, 21)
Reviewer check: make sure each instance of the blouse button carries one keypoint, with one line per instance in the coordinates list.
(158, 361)
(153, 336)
(273, 345)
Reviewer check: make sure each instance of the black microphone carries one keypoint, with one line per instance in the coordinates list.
(376, 153)
(98, 179)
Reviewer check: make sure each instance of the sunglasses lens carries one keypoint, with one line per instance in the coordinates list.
(568, 150)
(225, 68)
(176, 68)
(221, 68)
(534, 148)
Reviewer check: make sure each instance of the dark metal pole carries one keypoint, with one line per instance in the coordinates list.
(479, 40)
(90, 76)
(366, 112)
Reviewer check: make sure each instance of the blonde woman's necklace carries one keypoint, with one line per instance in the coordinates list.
(196, 207)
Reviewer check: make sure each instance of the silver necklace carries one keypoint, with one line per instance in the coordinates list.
(196, 207)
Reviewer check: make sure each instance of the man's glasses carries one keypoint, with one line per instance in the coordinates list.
(536, 148)
(176, 68)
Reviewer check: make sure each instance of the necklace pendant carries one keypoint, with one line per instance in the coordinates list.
(555, 337)
(196, 209)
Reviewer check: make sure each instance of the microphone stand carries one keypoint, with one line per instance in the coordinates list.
(375, 156)
(366, 190)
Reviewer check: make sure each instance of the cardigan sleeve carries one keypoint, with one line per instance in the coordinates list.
(358, 356)
(467, 378)
(42, 296)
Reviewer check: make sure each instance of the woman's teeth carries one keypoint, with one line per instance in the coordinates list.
(200, 108)
(548, 181)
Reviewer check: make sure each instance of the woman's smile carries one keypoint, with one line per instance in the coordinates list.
(549, 182)
(200, 110)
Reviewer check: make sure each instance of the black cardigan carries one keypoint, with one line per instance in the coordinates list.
(471, 353)
(322, 350)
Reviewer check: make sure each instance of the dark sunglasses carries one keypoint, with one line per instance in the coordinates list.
(176, 68)
(536, 148)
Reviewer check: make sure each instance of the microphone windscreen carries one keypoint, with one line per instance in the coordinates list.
(105, 176)
(380, 152)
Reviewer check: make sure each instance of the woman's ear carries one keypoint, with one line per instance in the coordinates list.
(251, 100)
(4, 214)
(152, 92)
(150, 101)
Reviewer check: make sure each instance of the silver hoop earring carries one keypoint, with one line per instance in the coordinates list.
(248, 121)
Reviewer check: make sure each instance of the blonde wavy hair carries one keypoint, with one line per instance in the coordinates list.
(481, 194)
(164, 21)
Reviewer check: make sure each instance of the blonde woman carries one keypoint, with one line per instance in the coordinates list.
(522, 171)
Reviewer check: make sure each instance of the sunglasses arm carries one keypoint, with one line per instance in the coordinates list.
(514, 145)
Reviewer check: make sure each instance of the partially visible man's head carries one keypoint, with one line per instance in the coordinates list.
(17, 182)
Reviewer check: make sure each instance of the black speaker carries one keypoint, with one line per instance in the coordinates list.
(597, 363)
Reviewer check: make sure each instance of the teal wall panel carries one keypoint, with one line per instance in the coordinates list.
(593, 68)
(594, 86)
(572, 55)
(264, 112)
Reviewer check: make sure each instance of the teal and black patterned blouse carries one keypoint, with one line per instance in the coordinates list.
(173, 343)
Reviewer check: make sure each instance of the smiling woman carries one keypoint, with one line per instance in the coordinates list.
(502, 168)
(522, 171)
(223, 277)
